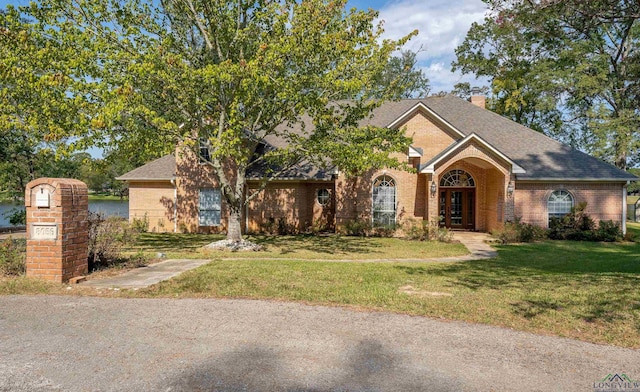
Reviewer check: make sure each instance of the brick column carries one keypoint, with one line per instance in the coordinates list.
(57, 228)
(509, 210)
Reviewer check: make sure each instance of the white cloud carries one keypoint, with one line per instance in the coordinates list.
(442, 26)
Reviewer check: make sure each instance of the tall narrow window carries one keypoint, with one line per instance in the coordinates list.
(205, 156)
(384, 201)
(559, 204)
(209, 207)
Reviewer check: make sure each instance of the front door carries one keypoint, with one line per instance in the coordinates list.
(457, 208)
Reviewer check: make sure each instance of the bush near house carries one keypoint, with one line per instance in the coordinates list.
(578, 226)
(575, 226)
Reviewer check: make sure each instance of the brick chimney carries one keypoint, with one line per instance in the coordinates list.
(478, 100)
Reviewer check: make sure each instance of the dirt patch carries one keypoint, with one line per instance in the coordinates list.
(410, 290)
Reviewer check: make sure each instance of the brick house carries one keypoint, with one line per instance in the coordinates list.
(475, 170)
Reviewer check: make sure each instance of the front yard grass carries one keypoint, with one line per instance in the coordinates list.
(634, 228)
(587, 291)
(298, 247)
(582, 290)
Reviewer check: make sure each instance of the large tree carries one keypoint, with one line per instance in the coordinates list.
(570, 68)
(154, 74)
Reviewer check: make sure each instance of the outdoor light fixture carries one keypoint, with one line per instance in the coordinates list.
(510, 189)
(433, 188)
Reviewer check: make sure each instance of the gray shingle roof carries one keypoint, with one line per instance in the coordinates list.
(161, 169)
(542, 157)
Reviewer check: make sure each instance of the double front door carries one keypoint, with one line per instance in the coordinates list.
(457, 207)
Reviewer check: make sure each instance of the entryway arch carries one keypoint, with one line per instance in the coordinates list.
(457, 199)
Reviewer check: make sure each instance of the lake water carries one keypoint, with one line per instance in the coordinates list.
(106, 207)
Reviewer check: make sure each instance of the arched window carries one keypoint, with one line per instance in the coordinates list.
(559, 204)
(384, 201)
(323, 196)
(457, 179)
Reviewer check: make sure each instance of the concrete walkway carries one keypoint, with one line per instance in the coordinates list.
(147, 276)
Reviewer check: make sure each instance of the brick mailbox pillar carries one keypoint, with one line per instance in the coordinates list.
(57, 228)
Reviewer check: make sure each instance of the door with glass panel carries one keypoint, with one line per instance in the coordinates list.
(457, 208)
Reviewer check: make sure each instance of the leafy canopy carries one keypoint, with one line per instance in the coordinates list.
(232, 75)
(568, 68)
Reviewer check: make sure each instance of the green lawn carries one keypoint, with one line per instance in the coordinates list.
(634, 227)
(587, 291)
(299, 247)
(582, 290)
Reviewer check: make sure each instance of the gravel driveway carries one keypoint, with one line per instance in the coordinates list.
(101, 344)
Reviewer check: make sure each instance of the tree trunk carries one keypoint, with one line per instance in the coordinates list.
(234, 229)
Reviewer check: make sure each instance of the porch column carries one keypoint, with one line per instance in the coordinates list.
(432, 199)
(510, 192)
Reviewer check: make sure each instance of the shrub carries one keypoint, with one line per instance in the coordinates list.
(140, 225)
(383, 231)
(107, 237)
(357, 228)
(575, 226)
(578, 226)
(514, 232)
(609, 231)
(13, 256)
(279, 227)
(422, 230)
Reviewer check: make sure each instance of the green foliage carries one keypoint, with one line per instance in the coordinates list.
(12, 257)
(144, 76)
(609, 231)
(568, 68)
(357, 228)
(140, 225)
(517, 232)
(107, 237)
(423, 230)
(578, 226)
(402, 78)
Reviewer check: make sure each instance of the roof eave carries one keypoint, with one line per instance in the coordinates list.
(144, 179)
(575, 179)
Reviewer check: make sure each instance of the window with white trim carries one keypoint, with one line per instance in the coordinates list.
(559, 204)
(323, 197)
(384, 201)
(209, 207)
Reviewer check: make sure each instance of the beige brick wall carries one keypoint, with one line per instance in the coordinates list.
(191, 177)
(65, 257)
(155, 200)
(354, 196)
(604, 200)
(427, 135)
(293, 202)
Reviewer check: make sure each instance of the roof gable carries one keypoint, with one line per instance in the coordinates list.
(429, 167)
